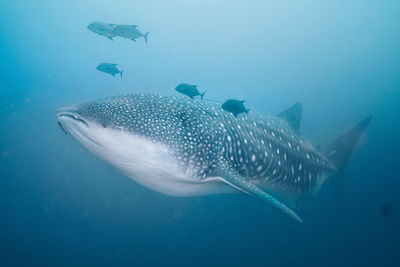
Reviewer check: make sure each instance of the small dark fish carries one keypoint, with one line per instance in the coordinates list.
(189, 90)
(109, 68)
(386, 209)
(235, 106)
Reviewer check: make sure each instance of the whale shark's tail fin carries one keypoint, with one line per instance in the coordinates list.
(339, 153)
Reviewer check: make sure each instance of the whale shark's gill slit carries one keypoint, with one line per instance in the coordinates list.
(187, 164)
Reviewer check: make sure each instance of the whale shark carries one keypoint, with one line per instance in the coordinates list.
(181, 147)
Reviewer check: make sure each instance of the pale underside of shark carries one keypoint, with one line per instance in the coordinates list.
(180, 147)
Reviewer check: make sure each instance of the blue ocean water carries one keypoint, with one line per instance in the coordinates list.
(61, 206)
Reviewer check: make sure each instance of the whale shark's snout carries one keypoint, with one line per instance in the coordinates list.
(68, 119)
(72, 121)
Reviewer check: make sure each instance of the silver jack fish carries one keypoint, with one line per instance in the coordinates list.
(129, 32)
(109, 68)
(102, 29)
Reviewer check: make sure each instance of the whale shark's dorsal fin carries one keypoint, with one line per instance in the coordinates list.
(233, 178)
(293, 116)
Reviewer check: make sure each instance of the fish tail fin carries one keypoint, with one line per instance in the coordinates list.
(339, 153)
(145, 36)
(201, 95)
(111, 38)
(120, 73)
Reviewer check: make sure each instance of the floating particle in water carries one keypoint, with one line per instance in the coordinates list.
(386, 209)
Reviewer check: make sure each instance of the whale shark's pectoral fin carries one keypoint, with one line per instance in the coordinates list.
(233, 178)
(293, 116)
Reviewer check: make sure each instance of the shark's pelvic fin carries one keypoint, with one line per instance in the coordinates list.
(293, 116)
(233, 178)
(340, 150)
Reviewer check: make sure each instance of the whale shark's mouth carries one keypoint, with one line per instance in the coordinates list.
(75, 125)
(72, 116)
(69, 121)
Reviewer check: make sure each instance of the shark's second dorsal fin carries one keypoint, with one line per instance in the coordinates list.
(233, 178)
(293, 116)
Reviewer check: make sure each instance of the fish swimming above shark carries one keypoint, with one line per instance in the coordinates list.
(190, 90)
(110, 68)
(235, 106)
(129, 32)
(102, 29)
(180, 147)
